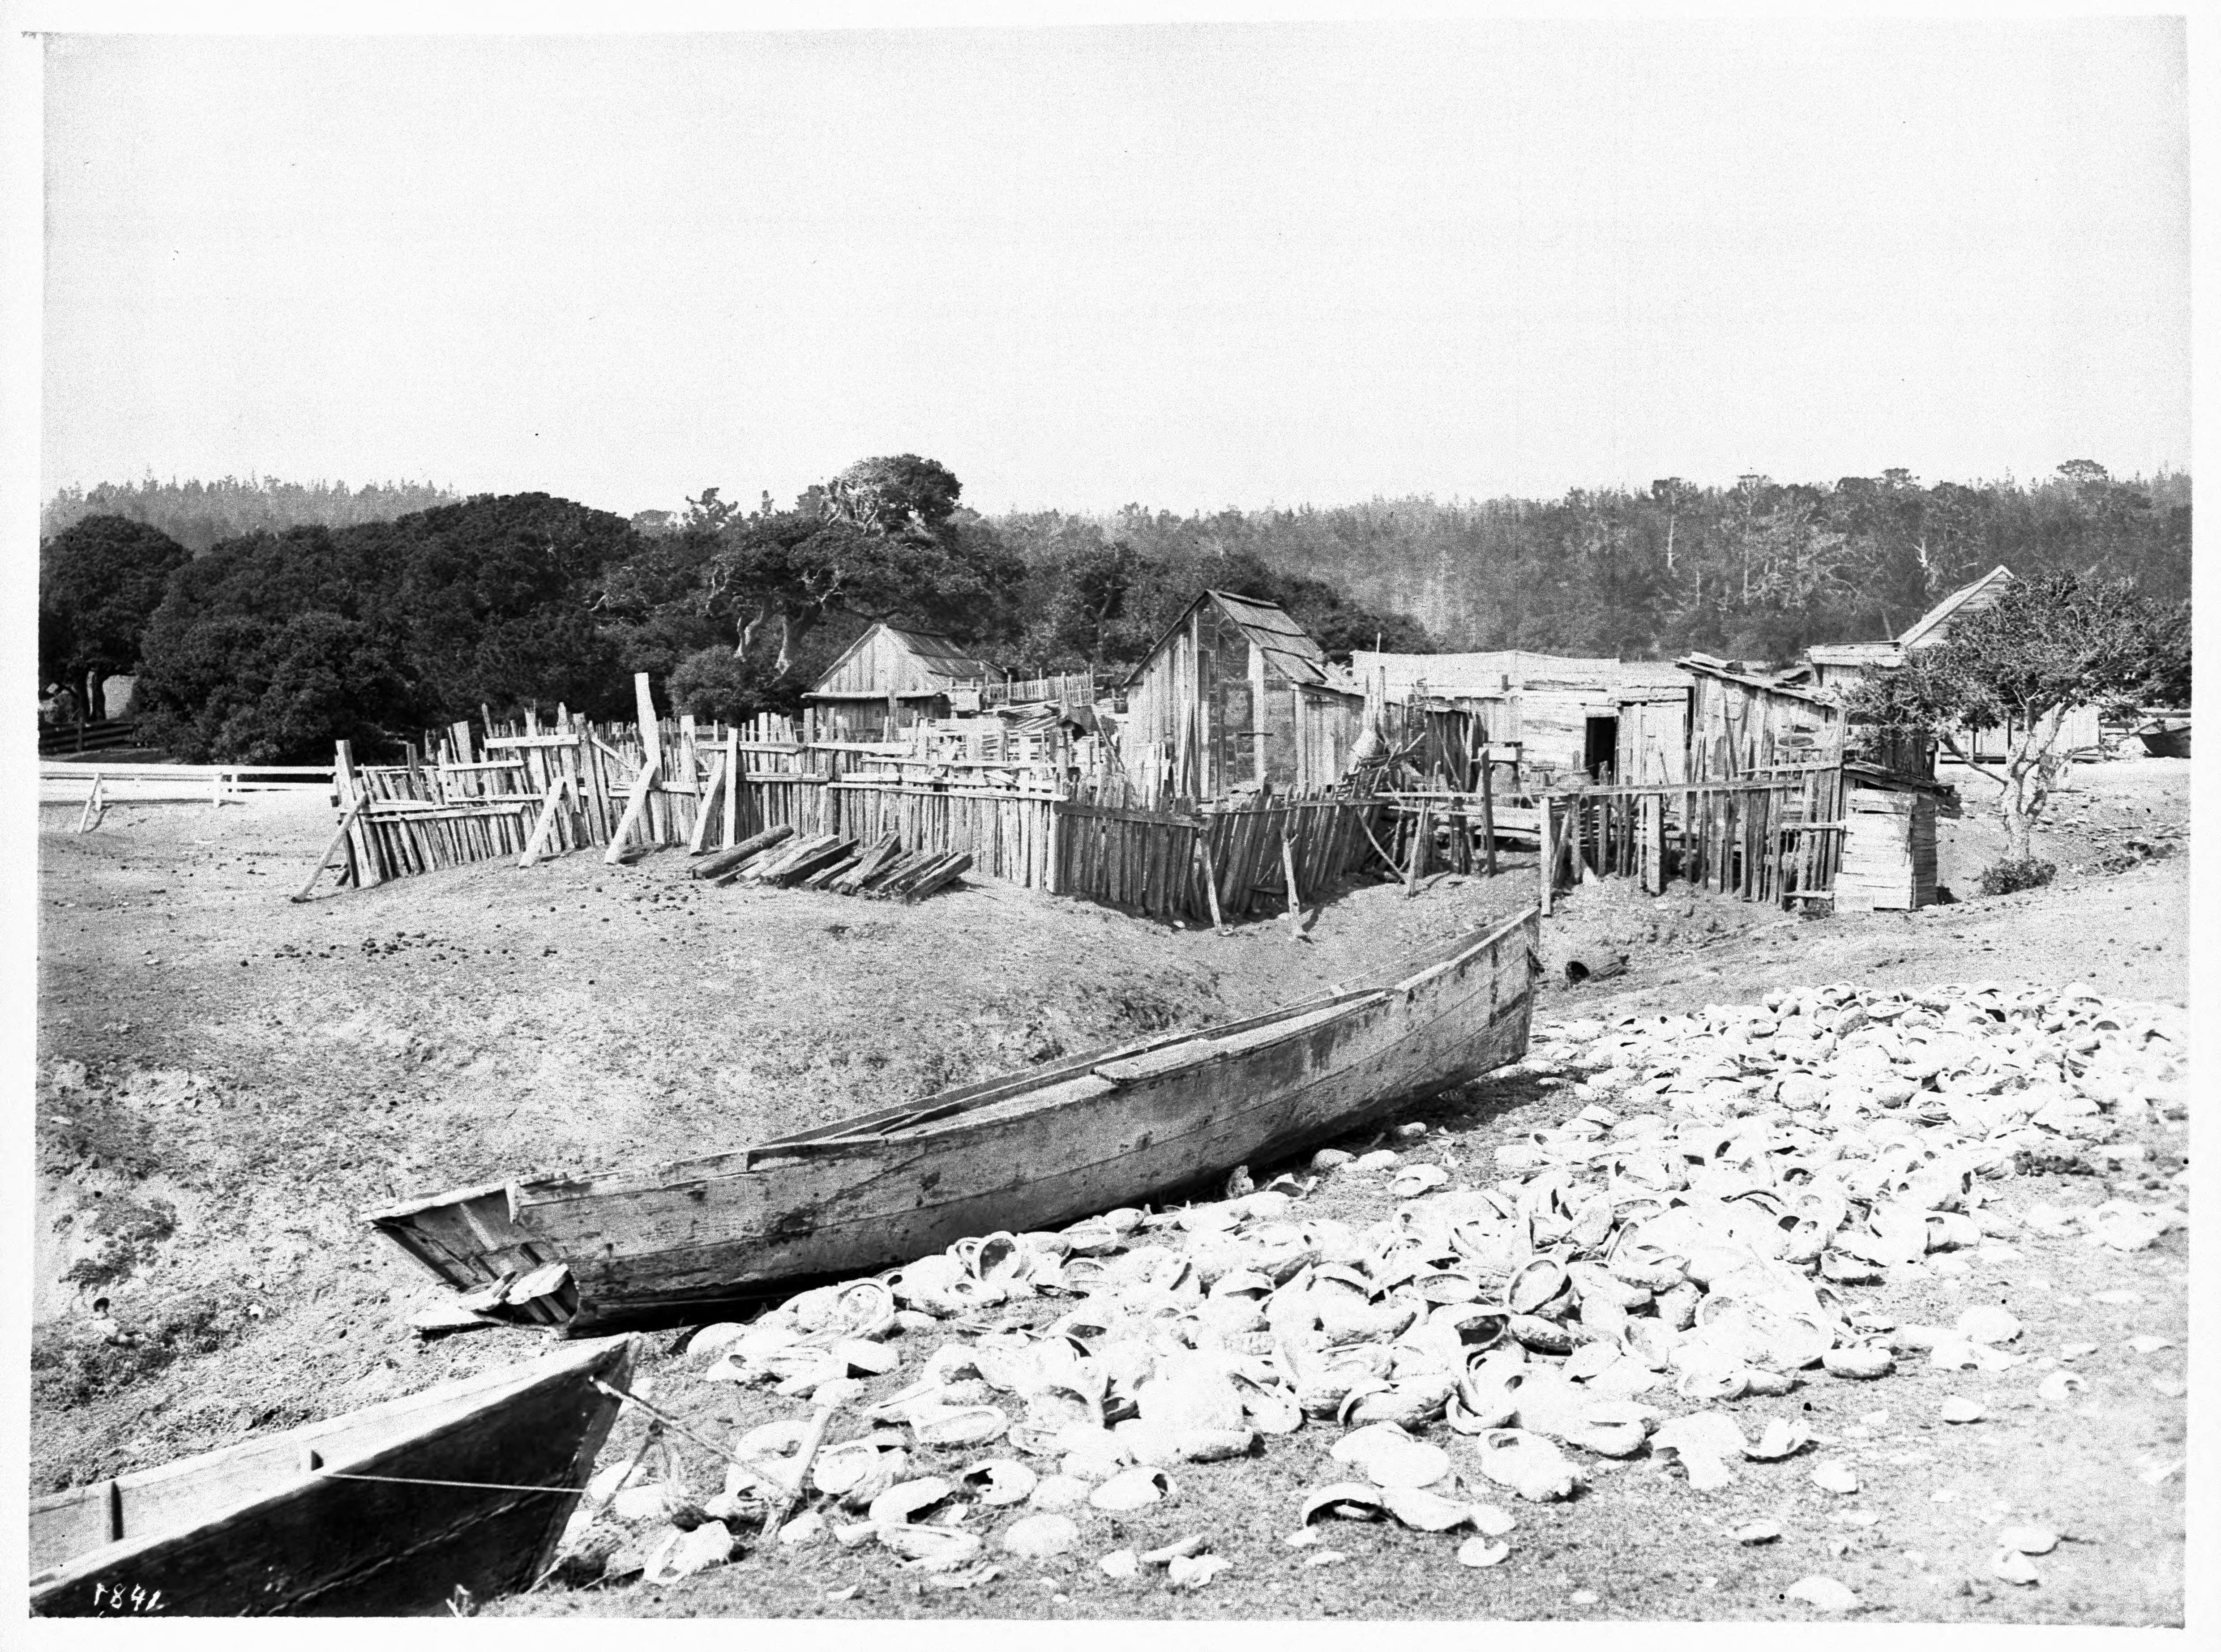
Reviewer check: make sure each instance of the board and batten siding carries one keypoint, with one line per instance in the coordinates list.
(1208, 713)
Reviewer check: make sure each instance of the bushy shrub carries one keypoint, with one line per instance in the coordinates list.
(2010, 877)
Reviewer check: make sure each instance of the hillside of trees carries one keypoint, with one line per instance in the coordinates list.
(1759, 570)
(200, 515)
(275, 641)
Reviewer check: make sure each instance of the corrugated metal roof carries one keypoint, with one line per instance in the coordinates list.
(1927, 628)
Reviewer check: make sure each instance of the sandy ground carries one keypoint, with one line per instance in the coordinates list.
(227, 1079)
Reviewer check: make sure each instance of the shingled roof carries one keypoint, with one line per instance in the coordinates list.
(1287, 647)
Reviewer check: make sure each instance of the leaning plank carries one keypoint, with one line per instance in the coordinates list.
(803, 862)
(339, 837)
(543, 830)
(772, 868)
(832, 869)
(868, 865)
(702, 816)
(634, 807)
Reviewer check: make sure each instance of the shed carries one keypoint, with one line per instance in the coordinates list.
(1889, 852)
(889, 679)
(1235, 693)
(1567, 712)
(1741, 722)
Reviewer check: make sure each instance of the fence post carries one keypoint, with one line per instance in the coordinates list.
(1546, 859)
(733, 779)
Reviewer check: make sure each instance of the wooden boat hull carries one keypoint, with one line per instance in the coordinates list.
(2167, 742)
(1027, 1152)
(255, 1529)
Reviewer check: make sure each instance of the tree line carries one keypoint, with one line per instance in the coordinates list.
(1759, 570)
(272, 642)
(201, 514)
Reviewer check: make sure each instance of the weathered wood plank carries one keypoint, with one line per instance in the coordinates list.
(252, 1529)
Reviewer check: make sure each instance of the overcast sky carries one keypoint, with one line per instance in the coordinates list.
(1185, 267)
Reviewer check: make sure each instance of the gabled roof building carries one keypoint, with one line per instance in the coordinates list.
(888, 679)
(1237, 694)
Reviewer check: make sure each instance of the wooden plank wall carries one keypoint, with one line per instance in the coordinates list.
(1774, 838)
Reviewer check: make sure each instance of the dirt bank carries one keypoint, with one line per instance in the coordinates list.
(227, 1079)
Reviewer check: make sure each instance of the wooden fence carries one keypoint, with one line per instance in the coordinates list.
(1777, 838)
(528, 791)
(526, 794)
(1164, 863)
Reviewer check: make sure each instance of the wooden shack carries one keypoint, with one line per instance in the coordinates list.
(1566, 712)
(1235, 693)
(1742, 723)
(1933, 628)
(888, 681)
(1889, 852)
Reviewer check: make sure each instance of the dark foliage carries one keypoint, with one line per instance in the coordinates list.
(100, 580)
(269, 648)
(1759, 570)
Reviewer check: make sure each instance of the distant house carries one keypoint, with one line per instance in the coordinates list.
(1934, 626)
(1235, 693)
(1568, 714)
(1842, 666)
(889, 679)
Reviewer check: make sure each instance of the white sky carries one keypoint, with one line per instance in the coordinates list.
(1186, 266)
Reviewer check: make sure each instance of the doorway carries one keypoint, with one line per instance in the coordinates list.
(1601, 747)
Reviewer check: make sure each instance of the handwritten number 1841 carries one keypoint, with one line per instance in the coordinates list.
(114, 1596)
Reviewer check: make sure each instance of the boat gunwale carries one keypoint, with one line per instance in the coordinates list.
(499, 1387)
